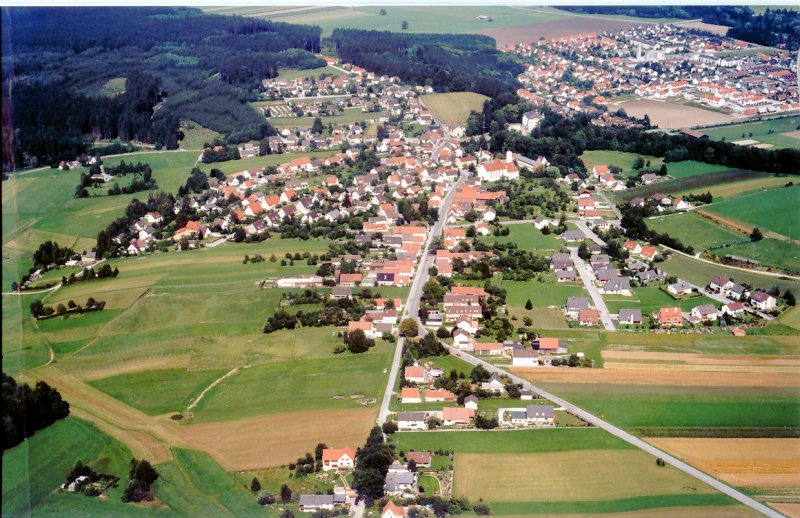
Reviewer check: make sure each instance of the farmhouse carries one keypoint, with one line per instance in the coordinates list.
(313, 503)
(415, 374)
(457, 415)
(525, 358)
(338, 459)
(495, 385)
(489, 349)
(411, 420)
(410, 395)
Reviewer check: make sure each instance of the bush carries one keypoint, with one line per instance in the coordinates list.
(442, 332)
(266, 498)
(389, 427)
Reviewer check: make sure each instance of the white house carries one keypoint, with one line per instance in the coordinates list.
(525, 358)
(411, 420)
(340, 459)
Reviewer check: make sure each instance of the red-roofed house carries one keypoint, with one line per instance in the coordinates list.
(343, 458)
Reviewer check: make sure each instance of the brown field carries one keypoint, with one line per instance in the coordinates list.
(726, 222)
(792, 134)
(762, 463)
(178, 361)
(789, 509)
(649, 368)
(672, 115)
(583, 475)
(721, 30)
(277, 439)
(557, 28)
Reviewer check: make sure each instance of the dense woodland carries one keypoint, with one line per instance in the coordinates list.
(775, 27)
(27, 410)
(178, 63)
(446, 62)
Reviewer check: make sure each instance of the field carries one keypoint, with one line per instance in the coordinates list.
(527, 237)
(760, 463)
(349, 116)
(195, 135)
(650, 299)
(772, 252)
(693, 229)
(670, 115)
(692, 168)
(618, 158)
(291, 73)
(702, 182)
(758, 209)
(725, 190)
(777, 132)
(721, 30)
(455, 107)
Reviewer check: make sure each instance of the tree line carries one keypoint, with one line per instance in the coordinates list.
(27, 410)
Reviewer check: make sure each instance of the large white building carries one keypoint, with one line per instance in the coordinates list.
(497, 170)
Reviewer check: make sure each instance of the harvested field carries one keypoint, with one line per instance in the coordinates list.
(557, 28)
(699, 359)
(665, 114)
(745, 142)
(789, 509)
(773, 463)
(277, 439)
(792, 134)
(721, 30)
(583, 475)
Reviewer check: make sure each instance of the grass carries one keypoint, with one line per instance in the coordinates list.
(293, 73)
(113, 87)
(584, 475)
(759, 131)
(453, 107)
(759, 210)
(650, 299)
(526, 237)
(725, 190)
(573, 507)
(158, 392)
(699, 273)
(772, 252)
(693, 229)
(620, 159)
(196, 136)
(692, 168)
(516, 441)
(692, 183)
(37, 467)
(348, 117)
(429, 484)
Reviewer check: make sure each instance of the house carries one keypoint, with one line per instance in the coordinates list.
(457, 416)
(525, 358)
(526, 394)
(763, 301)
(618, 286)
(496, 385)
(588, 317)
(366, 327)
(680, 288)
(400, 483)
(415, 374)
(313, 503)
(498, 170)
(462, 339)
(471, 402)
(548, 345)
(532, 415)
(669, 317)
(489, 349)
(411, 420)
(410, 395)
(574, 305)
(341, 292)
(391, 510)
(421, 458)
(572, 236)
(720, 284)
(433, 396)
(630, 316)
(705, 313)
(301, 281)
(338, 459)
(734, 309)
(648, 252)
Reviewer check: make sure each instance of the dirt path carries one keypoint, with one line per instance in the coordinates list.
(53, 288)
(214, 384)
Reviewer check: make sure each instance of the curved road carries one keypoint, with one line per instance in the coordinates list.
(412, 303)
(625, 436)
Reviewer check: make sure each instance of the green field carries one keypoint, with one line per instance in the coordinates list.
(526, 237)
(767, 132)
(196, 136)
(349, 116)
(771, 252)
(453, 107)
(656, 502)
(620, 159)
(650, 299)
(293, 73)
(692, 168)
(693, 229)
(692, 183)
(759, 210)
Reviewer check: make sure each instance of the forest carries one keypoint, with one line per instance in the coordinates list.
(174, 63)
(27, 410)
(446, 62)
(774, 28)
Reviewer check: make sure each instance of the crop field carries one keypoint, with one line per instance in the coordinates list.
(777, 132)
(618, 158)
(453, 107)
(693, 229)
(759, 210)
(721, 30)
(527, 237)
(699, 273)
(669, 115)
(761, 463)
(695, 183)
(726, 190)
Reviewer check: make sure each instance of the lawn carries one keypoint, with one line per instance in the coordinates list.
(158, 392)
(693, 229)
(699, 273)
(429, 484)
(541, 294)
(453, 107)
(526, 237)
(650, 299)
(768, 132)
(510, 441)
(620, 159)
(37, 467)
(587, 475)
(759, 209)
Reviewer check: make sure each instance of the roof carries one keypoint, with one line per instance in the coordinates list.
(411, 416)
(315, 500)
(414, 372)
(668, 313)
(548, 344)
(420, 457)
(545, 411)
(409, 393)
(395, 510)
(336, 454)
(457, 414)
(490, 346)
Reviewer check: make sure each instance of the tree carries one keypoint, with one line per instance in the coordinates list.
(404, 25)
(583, 251)
(412, 466)
(372, 464)
(357, 342)
(286, 493)
(756, 235)
(434, 422)
(529, 305)
(316, 128)
(389, 427)
(255, 485)
(409, 328)
(265, 498)
(382, 12)
(789, 297)
(442, 332)
(638, 162)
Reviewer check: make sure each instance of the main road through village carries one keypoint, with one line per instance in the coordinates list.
(412, 309)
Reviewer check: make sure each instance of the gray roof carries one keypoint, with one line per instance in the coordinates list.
(395, 480)
(517, 414)
(316, 500)
(545, 411)
(410, 416)
(525, 353)
(577, 303)
(630, 314)
(341, 291)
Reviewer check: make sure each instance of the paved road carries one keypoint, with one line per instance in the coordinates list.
(588, 231)
(622, 434)
(611, 205)
(412, 303)
(586, 277)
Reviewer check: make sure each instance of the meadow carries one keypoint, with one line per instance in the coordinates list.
(453, 107)
(196, 136)
(293, 73)
(620, 159)
(771, 252)
(694, 183)
(767, 131)
(650, 299)
(725, 190)
(758, 209)
(693, 229)
(526, 237)
(692, 168)
(349, 116)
